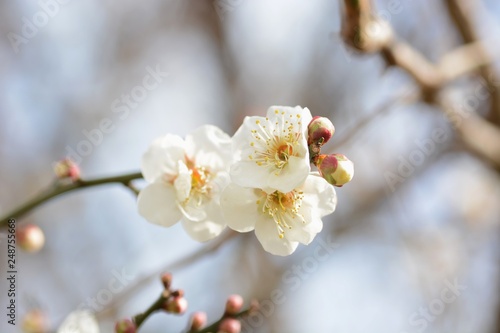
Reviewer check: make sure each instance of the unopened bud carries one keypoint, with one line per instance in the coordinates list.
(30, 237)
(254, 307)
(234, 304)
(336, 168)
(66, 168)
(34, 321)
(125, 326)
(198, 321)
(177, 305)
(230, 325)
(166, 279)
(178, 293)
(320, 130)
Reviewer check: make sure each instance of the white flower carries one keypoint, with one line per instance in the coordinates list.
(281, 220)
(186, 179)
(79, 321)
(272, 151)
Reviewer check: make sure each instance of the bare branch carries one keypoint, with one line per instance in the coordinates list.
(460, 12)
(120, 299)
(481, 137)
(407, 97)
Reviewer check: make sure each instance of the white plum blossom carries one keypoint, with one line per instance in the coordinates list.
(79, 321)
(272, 152)
(281, 220)
(186, 178)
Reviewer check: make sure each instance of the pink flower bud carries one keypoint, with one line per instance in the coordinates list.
(230, 325)
(336, 168)
(320, 130)
(166, 279)
(30, 237)
(234, 304)
(198, 321)
(125, 326)
(178, 293)
(34, 321)
(177, 305)
(66, 168)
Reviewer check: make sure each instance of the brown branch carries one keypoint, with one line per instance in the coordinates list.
(460, 12)
(479, 135)
(425, 73)
(366, 33)
(465, 59)
(59, 188)
(361, 30)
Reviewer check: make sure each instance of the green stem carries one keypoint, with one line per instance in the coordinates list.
(59, 189)
(215, 326)
(140, 318)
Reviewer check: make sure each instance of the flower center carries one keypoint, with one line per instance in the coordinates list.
(283, 208)
(193, 184)
(274, 143)
(200, 185)
(284, 152)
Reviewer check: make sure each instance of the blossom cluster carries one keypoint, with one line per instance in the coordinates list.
(260, 179)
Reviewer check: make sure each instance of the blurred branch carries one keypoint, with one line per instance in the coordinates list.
(480, 136)
(463, 60)
(405, 98)
(368, 34)
(460, 12)
(360, 25)
(171, 267)
(64, 187)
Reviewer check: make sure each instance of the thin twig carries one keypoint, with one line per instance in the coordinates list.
(461, 12)
(156, 306)
(171, 267)
(215, 326)
(60, 188)
(406, 97)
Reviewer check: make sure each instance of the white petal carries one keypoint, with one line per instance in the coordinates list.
(218, 184)
(304, 115)
(202, 231)
(239, 206)
(80, 321)
(157, 203)
(241, 147)
(319, 195)
(207, 229)
(182, 182)
(306, 118)
(267, 234)
(249, 174)
(162, 156)
(297, 116)
(251, 143)
(210, 147)
(292, 176)
(192, 211)
(305, 232)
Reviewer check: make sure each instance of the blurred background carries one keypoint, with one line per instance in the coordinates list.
(414, 240)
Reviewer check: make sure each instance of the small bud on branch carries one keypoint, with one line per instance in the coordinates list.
(336, 168)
